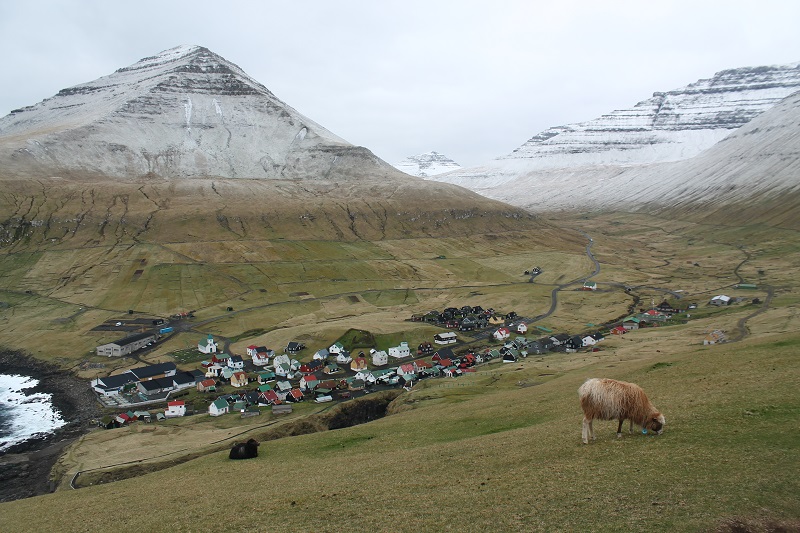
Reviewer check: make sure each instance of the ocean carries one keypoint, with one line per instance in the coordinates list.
(25, 415)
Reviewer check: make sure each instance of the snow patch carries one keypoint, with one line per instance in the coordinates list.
(217, 107)
(187, 109)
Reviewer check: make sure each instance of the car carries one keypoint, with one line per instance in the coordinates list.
(118, 324)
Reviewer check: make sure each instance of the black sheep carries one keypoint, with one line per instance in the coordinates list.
(247, 450)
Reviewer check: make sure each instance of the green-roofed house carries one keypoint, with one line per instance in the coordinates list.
(218, 407)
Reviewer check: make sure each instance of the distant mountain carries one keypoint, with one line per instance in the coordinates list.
(185, 145)
(428, 164)
(611, 162)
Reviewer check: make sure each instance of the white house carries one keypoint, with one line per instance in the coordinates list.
(445, 338)
(406, 369)
(282, 369)
(343, 357)
(218, 407)
(521, 328)
(281, 359)
(175, 409)
(261, 358)
(308, 382)
(336, 348)
(380, 358)
(588, 340)
(209, 346)
(501, 334)
(720, 299)
(399, 352)
(214, 370)
(235, 362)
(321, 355)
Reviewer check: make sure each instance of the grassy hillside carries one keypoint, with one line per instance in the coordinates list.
(500, 450)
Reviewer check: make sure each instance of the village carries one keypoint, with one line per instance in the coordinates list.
(263, 378)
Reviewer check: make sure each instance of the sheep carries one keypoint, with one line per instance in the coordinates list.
(247, 450)
(609, 399)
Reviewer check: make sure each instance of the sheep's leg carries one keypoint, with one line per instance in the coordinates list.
(630, 430)
(585, 431)
(619, 428)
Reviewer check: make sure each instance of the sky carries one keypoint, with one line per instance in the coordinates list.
(471, 80)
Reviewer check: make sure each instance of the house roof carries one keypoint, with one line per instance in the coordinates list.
(112, 382)
(145, 372)
(183, 378)
(208, 383)
(176, 403)
(130, 339)
(220, 403)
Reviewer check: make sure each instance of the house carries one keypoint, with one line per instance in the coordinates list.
(521, 328)
(281, 359)
(110, 385)
(268, 397)
(239, 379)
(588, 340)
(589, 286)
(421, 366)
(160, 370)
(366, 376)
(343, 357)
(321, 355)
(314, 365)
(294, 395)
(155, 386)
(510, 356)
(309, 382)
(720, 300)
(261, 356)
(359, 363)
(278, 409)
(468, 323)
(666, 308)
(536, 348)
(126, 345)
(401, 351)
(424, 348)
(331, 368)
(209, 346)
(407, 380)
(442, 353)
(445, 338)
(355, 384)
(235, 362)
(214, 370)
(207, 385)
(619, 330)
(631, 323)
(501, 334)
(575, 342)
(294, 347)
(406, 368)
(175, 409)
(226, 373)
(266, 377)
(336, 348)
(282, 370)
(560, 339)
(183, 380)
(380, 358)
(218, 407)
(496, 320)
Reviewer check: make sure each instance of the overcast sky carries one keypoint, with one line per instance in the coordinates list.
(472, 80)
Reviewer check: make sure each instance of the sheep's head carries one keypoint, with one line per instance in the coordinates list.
(656, 423)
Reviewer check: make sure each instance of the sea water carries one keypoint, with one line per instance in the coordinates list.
(25, 416)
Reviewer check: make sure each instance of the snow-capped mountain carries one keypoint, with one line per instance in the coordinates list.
(185, 146)
(428, 164)
(670, 126)
(185, 112)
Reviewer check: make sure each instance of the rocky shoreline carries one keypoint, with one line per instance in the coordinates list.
(25, 467)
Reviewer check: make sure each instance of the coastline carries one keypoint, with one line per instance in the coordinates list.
(25, 467)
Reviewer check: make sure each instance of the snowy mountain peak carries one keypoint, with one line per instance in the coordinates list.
(427, 164)
(183, 112)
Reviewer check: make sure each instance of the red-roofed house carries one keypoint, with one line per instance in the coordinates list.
(207, 385)
(406, 368)
(175, 409)
(501, 334)
(359, 363)
(269, 397)
(239, 379)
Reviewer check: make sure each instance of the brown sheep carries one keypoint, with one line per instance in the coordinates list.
(609, 399)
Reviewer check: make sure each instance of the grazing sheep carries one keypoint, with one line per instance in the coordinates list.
(247, 450)
(609, 399)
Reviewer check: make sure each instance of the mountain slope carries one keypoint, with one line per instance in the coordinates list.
(623, 160)
(186, 112)
(185, 145)
(427, 164)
